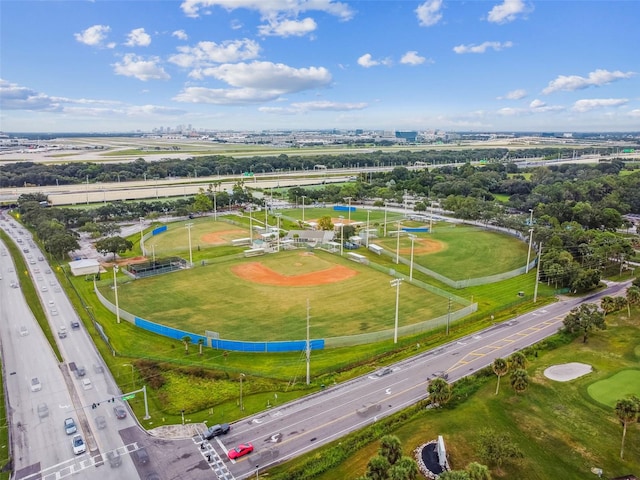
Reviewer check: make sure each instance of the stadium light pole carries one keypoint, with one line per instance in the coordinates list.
(396, 283)
(115, 289)
(142, 235)
(250, 225)
(241, 404)
(215, 207)
(412, 237)
(385, 219)
(153, 250)
(529, 251)
(278, 215)
(398, 244)
(188, 227)
(349, 199)
(133, 382)
(368, 213)
(303, 197)
(341, 217)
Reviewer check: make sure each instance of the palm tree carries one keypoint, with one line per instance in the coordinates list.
(520, 380)
(633, 297)
(186, 340)
(627, 411)
(500, 368)
(517, 361)
(607, 304)
(200, 344)
(377, 468)
(439, 391)
(390, 448)
(404, 469)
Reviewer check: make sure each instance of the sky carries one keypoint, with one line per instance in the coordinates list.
(253, 65)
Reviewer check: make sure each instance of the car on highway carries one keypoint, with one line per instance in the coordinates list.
(441, 374)
(75, 324)
(24, 331)
(141, 456)
(86, 384)
(215, 430)
(62, 330)
(368, 408)
(79, 447)
(120, 412)
(384, 371)
(43, 410)
(36, 386)
(114, 458)
(240, 451)
(70, 426)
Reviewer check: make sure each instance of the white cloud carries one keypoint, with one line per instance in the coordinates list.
(412, 58)
(221, 96)
(592, 103)
(256, 82)
(180, 35)
(137, 67)
(483, 47)
(304, 107)
(209, 53)
(429, 13)
(268, 76)
(537, 104)
(367, 61)
(635, 113)
(514, 95)
(138, 38)
(16, 97)
(597, 78)
(94, 36)
(288, 28)
(507, 11)
(270, 8)
(510, 111)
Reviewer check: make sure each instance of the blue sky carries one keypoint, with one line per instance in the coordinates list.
(501, 65)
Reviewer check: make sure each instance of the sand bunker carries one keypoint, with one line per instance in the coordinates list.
(567, 371)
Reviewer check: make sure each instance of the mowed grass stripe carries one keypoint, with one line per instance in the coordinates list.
(213, 298)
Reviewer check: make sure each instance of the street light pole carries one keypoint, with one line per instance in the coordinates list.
(349, 198)
(341, 233)
(153, 249)
(412, 237)
(278, 232)
(188, 226)
(385, 219)
(529, 251)
(241, 404)
(115, 288)
(250, 225)
(396, 283)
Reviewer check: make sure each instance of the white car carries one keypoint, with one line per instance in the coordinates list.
(86, 384)
(24, 331)
(78, 445)
(36, 386)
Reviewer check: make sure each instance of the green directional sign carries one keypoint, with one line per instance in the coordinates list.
(129, 397)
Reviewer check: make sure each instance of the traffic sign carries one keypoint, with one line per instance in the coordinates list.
(129, 397)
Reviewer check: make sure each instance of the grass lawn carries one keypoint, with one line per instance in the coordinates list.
(610, 390)
(467, 252)
(560, 429)
(216, 298)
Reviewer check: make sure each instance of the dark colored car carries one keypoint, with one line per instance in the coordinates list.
(120, 411)
(215, 430)
(141, 456)
(240, 451)
(75, 324)
(114, 458)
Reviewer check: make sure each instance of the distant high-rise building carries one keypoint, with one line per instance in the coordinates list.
(407, 136)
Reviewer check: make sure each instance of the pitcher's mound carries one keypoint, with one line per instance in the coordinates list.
(567, 371)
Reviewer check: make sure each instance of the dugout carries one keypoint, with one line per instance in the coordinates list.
(157, 267)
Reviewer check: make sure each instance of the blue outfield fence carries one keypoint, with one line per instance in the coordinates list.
(415, 229)
(158, 230)
(266, 347)
(344, 208)
(167, 331)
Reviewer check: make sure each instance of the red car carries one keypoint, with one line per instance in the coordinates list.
(240, 451)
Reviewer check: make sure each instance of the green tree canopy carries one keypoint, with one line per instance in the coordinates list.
(585, 319)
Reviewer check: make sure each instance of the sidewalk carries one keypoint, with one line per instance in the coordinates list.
(178, 431)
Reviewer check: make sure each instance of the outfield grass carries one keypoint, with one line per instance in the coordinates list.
(214, 298)
(561, 430)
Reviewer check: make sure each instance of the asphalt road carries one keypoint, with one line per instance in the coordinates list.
(41, 448)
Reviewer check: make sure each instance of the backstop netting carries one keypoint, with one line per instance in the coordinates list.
(156, 267)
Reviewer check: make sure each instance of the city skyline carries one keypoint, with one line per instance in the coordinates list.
(503, 65)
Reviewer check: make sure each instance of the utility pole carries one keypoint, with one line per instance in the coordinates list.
(308, 346)
(398, 245)
(448, 316)
(188, 226)
(535, 290)
(115, 288)
(396, 283)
